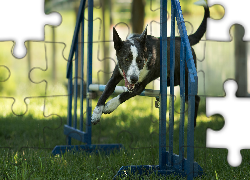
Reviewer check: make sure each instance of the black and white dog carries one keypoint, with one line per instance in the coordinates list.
(138, 63)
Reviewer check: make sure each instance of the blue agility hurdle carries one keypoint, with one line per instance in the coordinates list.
(169, 163)
(69, 130)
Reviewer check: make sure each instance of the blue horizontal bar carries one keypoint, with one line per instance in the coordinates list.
(107, 148)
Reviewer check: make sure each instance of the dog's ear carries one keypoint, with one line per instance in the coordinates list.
(117, 40)
(143, 38)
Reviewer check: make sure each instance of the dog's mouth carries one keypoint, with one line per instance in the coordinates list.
(129, 86)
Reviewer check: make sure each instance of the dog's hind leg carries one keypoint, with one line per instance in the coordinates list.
(197, 102)
(109, 89)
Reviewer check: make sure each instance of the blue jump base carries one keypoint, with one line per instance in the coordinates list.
(127, 171)
(106, 148)
(82, 137)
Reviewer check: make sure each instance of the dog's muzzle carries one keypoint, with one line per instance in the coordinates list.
(130, 86)
(133, 79)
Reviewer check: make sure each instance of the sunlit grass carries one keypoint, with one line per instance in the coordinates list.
(27, 142)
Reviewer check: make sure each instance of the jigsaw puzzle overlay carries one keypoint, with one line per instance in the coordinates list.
(235, 133)
(26, 23)
(235, 13)
(21, 88)
(138, 129)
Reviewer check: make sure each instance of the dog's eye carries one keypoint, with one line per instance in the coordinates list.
(140, 61)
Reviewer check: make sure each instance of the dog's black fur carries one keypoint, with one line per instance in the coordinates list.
(139, 63)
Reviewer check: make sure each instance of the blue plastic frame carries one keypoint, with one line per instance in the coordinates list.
(74, 132)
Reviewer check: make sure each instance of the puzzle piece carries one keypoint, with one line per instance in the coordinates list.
(218, 30)
(209, 71)
(235, 112)
(234, 55)
(16, 85)
(22, 128)
(53, 75)
(64, 32)
(26, 23)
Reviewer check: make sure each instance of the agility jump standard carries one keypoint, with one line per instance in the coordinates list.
(69, 130)
(169, 163)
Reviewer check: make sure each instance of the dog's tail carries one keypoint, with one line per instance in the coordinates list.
(196, 37)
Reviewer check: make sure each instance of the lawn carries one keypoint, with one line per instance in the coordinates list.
(27, 142)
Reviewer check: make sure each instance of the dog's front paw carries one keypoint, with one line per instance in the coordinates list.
(111, 105)
(96, 116)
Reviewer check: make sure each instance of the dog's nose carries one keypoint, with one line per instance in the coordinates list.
(133, 79)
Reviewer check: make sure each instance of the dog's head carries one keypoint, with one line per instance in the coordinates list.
(131, 57)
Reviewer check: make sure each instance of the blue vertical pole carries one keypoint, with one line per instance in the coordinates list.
(190, 131)
(76, 32)
(89, 69)
(82, 74)
(69, 117)
(75, 84)
(182, 110)
(171, 102)
(163, 86)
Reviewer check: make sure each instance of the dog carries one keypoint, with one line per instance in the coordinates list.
(138, 63)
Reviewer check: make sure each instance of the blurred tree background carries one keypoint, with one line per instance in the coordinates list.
(128, 16)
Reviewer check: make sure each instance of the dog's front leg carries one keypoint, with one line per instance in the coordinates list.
(115, 102)
(109, 89)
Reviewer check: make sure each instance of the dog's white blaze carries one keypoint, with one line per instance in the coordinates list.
(111, 105)
(133, 68)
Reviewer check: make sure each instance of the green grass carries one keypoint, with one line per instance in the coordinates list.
(27, 142)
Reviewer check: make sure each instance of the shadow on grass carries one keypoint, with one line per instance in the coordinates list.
(139, 135)
(133, 131)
